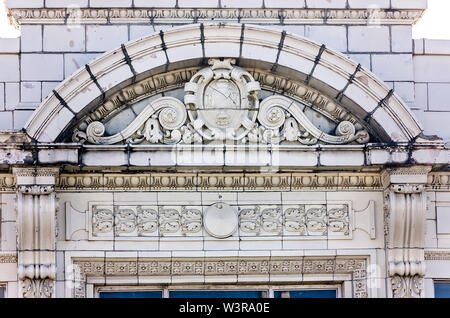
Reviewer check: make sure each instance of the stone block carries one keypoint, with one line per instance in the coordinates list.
(362, 4)
(65, 3)
(31, 38)
(443, 219)
(432, 68)
(401, 37)
(41, 67)
(242, 4)
(284, 4)
(430, 234)
(326, 4)
(367, 39)
(418, 45)
(259, 198)
(110, 3)
(9, 45)
(47, 88)
(421, 95)
(75, 61)
(6, 120)
(21, 117)
(103, 38)
(432, 46)
(8, 236)
(334, 37)
(409, 4)
(439, 97)
(154, 3)
(12, 95)
(198, 4)
(405, 90)
(393, 67)
(24, 3)
(30, 92)
(436, 123)
(2, 96)
(8, 272)
(61, 38)
(363, 59)
(9, 66)
(140, 31)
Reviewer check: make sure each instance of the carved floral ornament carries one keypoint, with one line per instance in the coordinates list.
(221, 104)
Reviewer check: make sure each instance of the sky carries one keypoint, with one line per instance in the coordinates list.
(433, 25)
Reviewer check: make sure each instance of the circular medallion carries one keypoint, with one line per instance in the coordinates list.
(220, 220)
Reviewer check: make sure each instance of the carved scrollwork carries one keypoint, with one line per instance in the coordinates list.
(191, 220)
(295, 220)
(221, 103)
(159, 122)
(169, 220)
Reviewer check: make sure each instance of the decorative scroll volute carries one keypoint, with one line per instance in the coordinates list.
(221, 104)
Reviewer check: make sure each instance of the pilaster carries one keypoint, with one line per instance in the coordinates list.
(36, 210)
(405, 214)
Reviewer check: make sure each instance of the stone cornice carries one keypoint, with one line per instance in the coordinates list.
(263, 266)
(194, 15)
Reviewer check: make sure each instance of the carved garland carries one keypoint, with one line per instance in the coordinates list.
(357, 267)
(222, 104)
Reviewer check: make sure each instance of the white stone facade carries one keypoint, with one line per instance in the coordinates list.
(205, 143)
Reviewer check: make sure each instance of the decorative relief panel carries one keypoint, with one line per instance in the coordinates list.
(332, 220)
(221, 104)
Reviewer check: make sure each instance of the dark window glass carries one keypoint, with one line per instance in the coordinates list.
(442, 290)
(2, 292)
(134, 294)
(319, 293)
(215, 294)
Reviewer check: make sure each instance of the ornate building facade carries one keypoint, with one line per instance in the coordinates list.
(176, 146)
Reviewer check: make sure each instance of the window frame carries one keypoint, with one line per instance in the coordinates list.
(267, 289)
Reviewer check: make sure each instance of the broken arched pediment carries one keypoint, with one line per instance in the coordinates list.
(332, 85)
(222, 104)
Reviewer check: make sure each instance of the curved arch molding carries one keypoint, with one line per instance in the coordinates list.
(360, 91)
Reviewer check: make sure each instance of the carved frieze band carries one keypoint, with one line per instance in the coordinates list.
(189, 15)
(357, 267)
(218, 182)
(332, 220)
